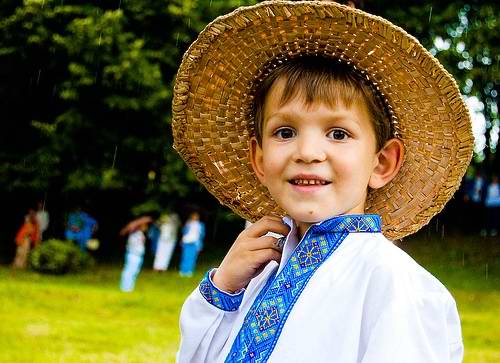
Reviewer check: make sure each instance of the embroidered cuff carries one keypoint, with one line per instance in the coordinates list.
(219, 298)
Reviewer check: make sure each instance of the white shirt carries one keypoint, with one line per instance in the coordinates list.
(192, 232)
(136, 243)
(42, 217)
(368, 302)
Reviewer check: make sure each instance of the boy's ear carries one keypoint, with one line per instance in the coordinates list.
(256, 158)
(387, 164)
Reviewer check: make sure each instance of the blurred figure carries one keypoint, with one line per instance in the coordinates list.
(28, 235)
(474, 198)
(153, 235)
(80, 228)
(492, 207)
(134, 255)
(193, 233)
(42, 217)
(169, 224)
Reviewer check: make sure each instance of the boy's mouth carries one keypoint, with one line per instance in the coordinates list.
(308, 180)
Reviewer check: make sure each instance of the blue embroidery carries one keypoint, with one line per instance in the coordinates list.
(265, 320)
(217, 297)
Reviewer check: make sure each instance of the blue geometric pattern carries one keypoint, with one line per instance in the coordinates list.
(266, 318)
(217, 297)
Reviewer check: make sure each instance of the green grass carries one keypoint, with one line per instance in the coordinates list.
(85, 318)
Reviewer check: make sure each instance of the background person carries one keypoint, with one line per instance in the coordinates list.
(193, 234)
(134, 254)
(28, 236)
(169, 225)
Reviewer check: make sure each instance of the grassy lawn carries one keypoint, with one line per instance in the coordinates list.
(84, 318)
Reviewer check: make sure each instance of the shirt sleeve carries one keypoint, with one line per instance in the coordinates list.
(206, 321)
(413, 323)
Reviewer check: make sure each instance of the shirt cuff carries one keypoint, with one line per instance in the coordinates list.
(219, 298)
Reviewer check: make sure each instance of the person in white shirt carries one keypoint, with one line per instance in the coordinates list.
(169, 224)
(42, 217)
(134, 255)
(331, 128)
(193, 234)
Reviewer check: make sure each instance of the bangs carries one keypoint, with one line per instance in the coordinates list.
(315, 86)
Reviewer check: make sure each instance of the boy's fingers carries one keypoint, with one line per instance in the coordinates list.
(268, 224)
(266, 255)
(265, 242)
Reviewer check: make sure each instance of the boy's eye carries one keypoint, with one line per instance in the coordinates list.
(338, 134)
(285, 133)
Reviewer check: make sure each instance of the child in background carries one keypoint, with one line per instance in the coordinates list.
(492, 206)
(193, 234)
(28, 236)
(42, 217)
(80, 228)
(134, 255)
(169, 224)
(339, 131)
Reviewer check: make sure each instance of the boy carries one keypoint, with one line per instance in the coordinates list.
(326, 97)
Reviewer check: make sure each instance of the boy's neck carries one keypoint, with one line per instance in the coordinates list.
(302, 228)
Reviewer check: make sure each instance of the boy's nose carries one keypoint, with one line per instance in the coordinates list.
(309, 150)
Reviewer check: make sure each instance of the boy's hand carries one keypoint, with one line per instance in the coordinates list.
(249, 254)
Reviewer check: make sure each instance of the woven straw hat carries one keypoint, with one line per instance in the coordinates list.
(212, 104)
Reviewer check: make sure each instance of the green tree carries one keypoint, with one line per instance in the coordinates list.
(88, 91)
(463, 35)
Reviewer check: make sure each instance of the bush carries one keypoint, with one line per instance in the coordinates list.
(59, 257)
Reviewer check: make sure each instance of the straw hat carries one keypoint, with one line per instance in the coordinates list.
(212, 105)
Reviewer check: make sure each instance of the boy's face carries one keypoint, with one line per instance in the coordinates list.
(315, 160)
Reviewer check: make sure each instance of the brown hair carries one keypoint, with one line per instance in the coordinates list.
(327, 80)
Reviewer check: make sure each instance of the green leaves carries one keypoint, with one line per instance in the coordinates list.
(87, 87)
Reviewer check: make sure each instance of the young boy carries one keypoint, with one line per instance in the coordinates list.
(344, 114)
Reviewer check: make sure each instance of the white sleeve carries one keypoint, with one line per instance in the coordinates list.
(206, 321)
(413, 325)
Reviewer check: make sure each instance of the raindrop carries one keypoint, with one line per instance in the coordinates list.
(486, 271)
(430, 14)
(54, 90)
(210, 3)
(177, 40)
(114, 157)
(100, 39)
(189, 23)
(38, 77)
(119, 4)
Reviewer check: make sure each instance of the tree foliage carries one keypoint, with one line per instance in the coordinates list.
(86, 100)
(86, 86)
(463, 35)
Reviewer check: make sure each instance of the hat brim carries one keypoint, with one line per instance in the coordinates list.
(213, 98)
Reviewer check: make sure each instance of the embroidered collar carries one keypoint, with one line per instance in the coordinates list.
(266, 318)
(338, 224)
